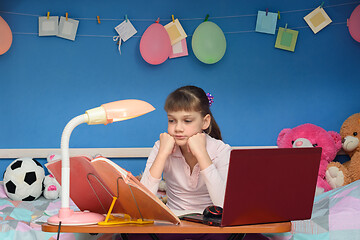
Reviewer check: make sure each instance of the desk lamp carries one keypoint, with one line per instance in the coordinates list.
(106, 113)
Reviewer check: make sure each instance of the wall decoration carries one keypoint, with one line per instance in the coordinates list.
(5, 36)
(354, 24)
(175, 31)
(68, 28)
(317, 19)
(48, 26)
(179, 49)
(266, 22)
(208, 42)
(125, 30)
(286, 39)
(155, 46)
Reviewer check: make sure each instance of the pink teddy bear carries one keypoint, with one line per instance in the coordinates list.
(310, 135)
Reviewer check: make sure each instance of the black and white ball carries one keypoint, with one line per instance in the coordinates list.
(23, 179)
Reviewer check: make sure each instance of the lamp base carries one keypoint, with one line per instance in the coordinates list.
(71, 218)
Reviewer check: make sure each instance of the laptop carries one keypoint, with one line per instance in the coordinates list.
(267, 186)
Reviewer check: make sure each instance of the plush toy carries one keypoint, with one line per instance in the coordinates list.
(23, 179)
(310, 135)
(52, 189)
(338, 174)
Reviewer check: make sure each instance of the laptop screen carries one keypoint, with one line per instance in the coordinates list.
(270, 185)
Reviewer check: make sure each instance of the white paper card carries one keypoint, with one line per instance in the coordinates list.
(68, 28)
(48, 27)
(125, 30)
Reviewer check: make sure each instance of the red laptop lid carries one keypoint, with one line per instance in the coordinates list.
(270, 185)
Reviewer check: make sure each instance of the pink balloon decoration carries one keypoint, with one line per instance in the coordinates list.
(155, 45)
(354, 24)
(5, 36)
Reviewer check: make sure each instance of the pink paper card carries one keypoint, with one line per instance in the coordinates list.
(179, 49)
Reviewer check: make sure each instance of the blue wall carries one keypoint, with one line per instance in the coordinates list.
(258, 89)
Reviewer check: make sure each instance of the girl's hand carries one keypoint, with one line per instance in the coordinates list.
(167, 144)
(197, 144)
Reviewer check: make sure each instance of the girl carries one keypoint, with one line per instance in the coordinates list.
(191, 155)
(192, 158)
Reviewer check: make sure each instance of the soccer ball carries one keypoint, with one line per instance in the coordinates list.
(23, 179)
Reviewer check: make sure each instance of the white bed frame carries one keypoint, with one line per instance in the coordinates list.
(106, 152)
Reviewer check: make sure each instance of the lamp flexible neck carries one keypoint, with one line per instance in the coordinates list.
(65, 163)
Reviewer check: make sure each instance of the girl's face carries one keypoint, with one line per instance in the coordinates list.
(182, 125)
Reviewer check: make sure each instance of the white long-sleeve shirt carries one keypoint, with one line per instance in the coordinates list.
(196, 190)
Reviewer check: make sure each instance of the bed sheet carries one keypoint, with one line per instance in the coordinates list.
(336, 215)
(21, 220)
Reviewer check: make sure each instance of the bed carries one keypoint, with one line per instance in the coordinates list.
(336, 214)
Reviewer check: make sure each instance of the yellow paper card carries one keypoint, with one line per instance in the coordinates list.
(175, 31)
(317, 19)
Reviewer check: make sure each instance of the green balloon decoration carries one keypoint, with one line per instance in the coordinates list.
(208, 42)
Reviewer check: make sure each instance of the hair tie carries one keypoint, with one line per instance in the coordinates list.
(210, 98)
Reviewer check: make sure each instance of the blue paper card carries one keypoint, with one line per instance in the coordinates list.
(266, 23)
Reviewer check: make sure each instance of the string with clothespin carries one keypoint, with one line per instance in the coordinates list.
(66, 16)
(322, 4)
(98, 19)
(267, 11)
(48, 15)
(172, 17)
(285, 27)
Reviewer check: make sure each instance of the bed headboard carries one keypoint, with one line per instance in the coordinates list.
(131, 159)
(106, 152)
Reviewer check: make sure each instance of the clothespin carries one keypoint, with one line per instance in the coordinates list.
(66, 15)
(158, 20)
(206, 18)
(347, 24)
(172, 16)
(267, 11)
(48, 15)
(285, 27)
(322, 4)
(98, 19)
(126, 19)
(278, 14)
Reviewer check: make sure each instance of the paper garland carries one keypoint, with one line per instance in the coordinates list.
(286, 39)
(317, 19)
(266, 22)
(50, 26)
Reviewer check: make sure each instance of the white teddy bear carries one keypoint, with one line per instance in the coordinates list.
(52, 189)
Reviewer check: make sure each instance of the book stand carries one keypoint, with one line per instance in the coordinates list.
(121, 218)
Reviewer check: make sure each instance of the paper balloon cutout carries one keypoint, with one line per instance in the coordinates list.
(208, 42)
(5, 36)
(155, 46)
(354, 24)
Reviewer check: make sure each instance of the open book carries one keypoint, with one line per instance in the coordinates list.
(93, 183)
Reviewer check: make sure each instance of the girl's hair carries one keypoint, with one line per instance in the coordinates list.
(191, 98)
